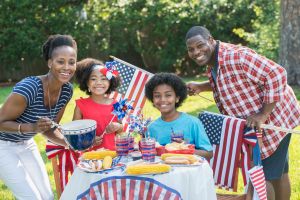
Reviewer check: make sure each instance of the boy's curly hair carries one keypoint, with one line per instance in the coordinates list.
(169, 79)
(84, 70)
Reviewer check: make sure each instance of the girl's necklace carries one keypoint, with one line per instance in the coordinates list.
(49, 100)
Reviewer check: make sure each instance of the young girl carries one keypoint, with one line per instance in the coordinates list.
(167, 92)
(98, 82)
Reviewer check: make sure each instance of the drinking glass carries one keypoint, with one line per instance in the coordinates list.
(148, 149)
(122, 145)
(177, 136)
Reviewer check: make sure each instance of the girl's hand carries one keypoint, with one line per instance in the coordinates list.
(114, 127)
(42, 125)
(98, 140)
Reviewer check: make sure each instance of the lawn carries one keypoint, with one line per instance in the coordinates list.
(192, 105)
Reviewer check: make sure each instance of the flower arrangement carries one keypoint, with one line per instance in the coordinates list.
(138, 124)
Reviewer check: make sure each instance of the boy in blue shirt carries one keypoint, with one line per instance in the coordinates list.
(167, 92)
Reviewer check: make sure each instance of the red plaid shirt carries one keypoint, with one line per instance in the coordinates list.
(245, 81)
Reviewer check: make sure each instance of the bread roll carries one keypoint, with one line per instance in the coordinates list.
(177, 160)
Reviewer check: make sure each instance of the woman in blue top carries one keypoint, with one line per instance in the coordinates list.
(167, 92)
(28, 110)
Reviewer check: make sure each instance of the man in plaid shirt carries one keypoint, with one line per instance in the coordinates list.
(249, 86)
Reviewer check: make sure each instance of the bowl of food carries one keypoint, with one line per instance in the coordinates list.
(79, 134)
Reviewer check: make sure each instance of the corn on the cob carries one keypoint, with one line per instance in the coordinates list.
(97, 155)
(191, 158)
(107, 161)
(147, 169)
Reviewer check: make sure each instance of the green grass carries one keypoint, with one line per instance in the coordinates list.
(192, 105)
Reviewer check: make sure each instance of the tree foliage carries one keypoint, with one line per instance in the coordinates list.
(147, 33)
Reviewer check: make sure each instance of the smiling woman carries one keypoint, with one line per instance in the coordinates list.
(46, 96)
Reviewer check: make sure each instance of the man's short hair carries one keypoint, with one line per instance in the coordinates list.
(197, 30)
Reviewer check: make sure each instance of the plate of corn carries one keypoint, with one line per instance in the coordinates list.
(99, 161)
(145, 168)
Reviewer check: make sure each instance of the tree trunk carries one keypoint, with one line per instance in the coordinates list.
(289, 54)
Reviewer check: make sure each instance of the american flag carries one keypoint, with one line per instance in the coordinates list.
(129, 187)
(133, 84)
(225, 134)
(257, 178)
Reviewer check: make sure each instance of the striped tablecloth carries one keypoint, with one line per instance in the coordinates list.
(190, 183)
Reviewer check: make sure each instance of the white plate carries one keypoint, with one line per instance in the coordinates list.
(85, 168)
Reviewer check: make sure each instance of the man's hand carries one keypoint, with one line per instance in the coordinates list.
(255, 121)
(193, 88)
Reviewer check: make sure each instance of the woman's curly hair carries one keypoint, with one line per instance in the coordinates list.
(169, 79)
(84, 70)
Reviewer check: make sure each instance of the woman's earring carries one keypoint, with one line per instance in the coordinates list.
(89, 90)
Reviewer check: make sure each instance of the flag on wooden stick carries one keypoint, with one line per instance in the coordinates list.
(133, 84)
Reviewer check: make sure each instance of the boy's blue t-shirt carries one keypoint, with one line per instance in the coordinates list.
(192, 128)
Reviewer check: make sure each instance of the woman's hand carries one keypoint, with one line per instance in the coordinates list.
(42, 125)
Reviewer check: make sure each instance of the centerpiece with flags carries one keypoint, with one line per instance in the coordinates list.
(138, 124)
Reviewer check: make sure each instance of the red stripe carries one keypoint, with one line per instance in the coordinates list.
(140, 91)
(123, 189)
(215, 159)
(157, 192)
(225, 133)
(150, 190)
(167, 195)
(230, 153)
(131, 191)
(92, 194)
(84, 198)
(114, 188)
(143, 102)
(142, 190)
(100, 189)
(238, 149)
(105, 188)
(238, 131)
(131, 90)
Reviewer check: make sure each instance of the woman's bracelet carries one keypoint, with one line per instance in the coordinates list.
(19, 129)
